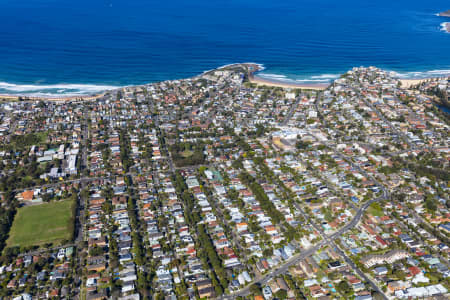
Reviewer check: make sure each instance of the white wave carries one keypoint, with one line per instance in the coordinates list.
(325, 76)
(422, 74)
(313, 80)
(261, 67)
(272, 76)
(221, 67)
(53, 89)
(445, 27)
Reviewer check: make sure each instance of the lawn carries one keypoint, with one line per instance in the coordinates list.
(27, 140)
(187, 153)
(40, 224)
(375, 210)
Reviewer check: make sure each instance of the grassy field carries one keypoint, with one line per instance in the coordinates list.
(375, 210)
(187, 153)
(40, 224)
(27, 140)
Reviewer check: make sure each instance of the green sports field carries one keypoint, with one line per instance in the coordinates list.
(40, 224)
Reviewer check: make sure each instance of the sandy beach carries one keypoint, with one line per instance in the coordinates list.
(31, 98)
(261, 81)
(252, 68)
(407, 83)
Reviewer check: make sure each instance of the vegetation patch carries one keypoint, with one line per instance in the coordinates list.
(22, 141)
(187, 154)
(41, 224)
(375, 209)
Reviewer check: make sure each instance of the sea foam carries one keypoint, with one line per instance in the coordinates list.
(422, 74)
(323, 78)
(273, 76)
(326, 76)
(53, 89)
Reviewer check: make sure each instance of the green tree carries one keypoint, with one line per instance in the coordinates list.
(255, 289)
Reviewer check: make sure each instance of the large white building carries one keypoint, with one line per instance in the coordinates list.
(72, 165)
(388, 257)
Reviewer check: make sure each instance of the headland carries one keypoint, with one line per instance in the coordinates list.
(252, 70)
(445, 26)
(445, 13)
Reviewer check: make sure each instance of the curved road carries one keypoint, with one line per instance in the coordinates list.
(305, 253)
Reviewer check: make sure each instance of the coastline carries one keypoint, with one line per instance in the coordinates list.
(253, 77)
(6, 97)
(274, 83)
(407, 83)
(445, 27)
(444, 13)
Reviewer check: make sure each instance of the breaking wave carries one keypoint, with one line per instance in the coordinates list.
(422, 74)
(53, 89)
(324, 78)
(273, 76)
(445, 27)
(328, 78)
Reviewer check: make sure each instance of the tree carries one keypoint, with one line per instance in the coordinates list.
(268, 252)
(255, 289)
(344, 287)
(430, 203)
(281, 294)
(399, 274)
(96, 251)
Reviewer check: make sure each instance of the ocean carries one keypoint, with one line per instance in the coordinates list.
(60, 47)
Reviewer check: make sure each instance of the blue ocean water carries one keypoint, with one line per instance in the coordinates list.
(70, 47)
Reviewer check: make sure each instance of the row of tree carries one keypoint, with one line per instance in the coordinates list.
(213, 260)
(261, 197)
(205, 247)
(6, 220)
(125, 151)
(264, 200)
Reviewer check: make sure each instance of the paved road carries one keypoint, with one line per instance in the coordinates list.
(46, 250)
(381, 116)
(83, 180)
(276, 271)
(328, 239)
(83, 184)
(342, 253)
(291, 110)
(305, 253)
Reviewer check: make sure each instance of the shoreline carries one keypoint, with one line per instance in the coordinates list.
(252, 69)
(275, 83)
(407, 83)
(445, 27)
(24, 97)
